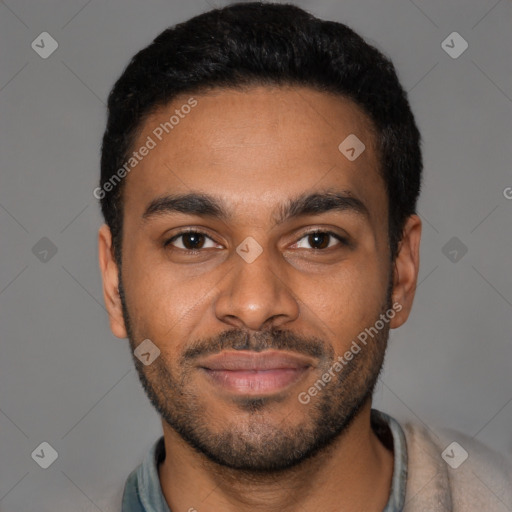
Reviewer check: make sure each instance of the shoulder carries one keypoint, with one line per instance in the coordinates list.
(455, 471)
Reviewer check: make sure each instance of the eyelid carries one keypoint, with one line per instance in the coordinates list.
(341, 239)
(184, 232)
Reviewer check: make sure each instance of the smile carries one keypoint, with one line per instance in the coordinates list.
(255, 373)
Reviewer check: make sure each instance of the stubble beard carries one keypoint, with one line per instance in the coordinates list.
(257, 443)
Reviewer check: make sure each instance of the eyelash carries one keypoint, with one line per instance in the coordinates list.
(343, 241)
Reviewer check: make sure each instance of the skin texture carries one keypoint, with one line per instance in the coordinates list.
(254, 151)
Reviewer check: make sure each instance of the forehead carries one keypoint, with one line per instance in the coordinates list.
(255, 147)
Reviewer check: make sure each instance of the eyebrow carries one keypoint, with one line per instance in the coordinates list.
(321, 202)
(189, 204)
(204, 205)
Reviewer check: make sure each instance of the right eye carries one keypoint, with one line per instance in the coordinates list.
(191, 241)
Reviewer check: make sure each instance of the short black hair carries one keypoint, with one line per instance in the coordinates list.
(268, 44)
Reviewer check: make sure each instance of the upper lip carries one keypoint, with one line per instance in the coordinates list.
(249, 360)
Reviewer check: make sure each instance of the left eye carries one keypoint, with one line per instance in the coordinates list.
(319, 240)
(191, 241)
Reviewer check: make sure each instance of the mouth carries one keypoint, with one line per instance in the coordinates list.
(255, 373)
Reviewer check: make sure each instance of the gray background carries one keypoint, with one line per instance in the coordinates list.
(65, 379)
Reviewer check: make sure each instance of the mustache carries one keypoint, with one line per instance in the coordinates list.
(277, 339)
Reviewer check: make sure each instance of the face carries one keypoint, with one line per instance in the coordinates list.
(255, 254)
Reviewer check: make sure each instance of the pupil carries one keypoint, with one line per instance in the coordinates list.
(192, 240)
(319, 239)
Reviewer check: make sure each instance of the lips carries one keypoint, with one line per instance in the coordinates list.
(246, 360)
(255, 373)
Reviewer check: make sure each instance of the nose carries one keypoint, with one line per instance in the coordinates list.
(256, 295)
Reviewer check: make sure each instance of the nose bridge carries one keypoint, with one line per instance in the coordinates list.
(255, 293)
(258, 270)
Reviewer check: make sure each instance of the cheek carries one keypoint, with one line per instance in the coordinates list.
(165, 302)
(345, 301)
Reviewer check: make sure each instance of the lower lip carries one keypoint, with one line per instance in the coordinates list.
(256, 382)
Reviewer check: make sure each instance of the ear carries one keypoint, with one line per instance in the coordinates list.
(406, 269)
(109, 274)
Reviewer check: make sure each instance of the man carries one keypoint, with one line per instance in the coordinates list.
(259, 178)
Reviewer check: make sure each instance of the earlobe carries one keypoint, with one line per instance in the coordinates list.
(109, 274)
(406, 267)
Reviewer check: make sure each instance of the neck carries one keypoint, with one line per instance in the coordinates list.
(355, 471)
